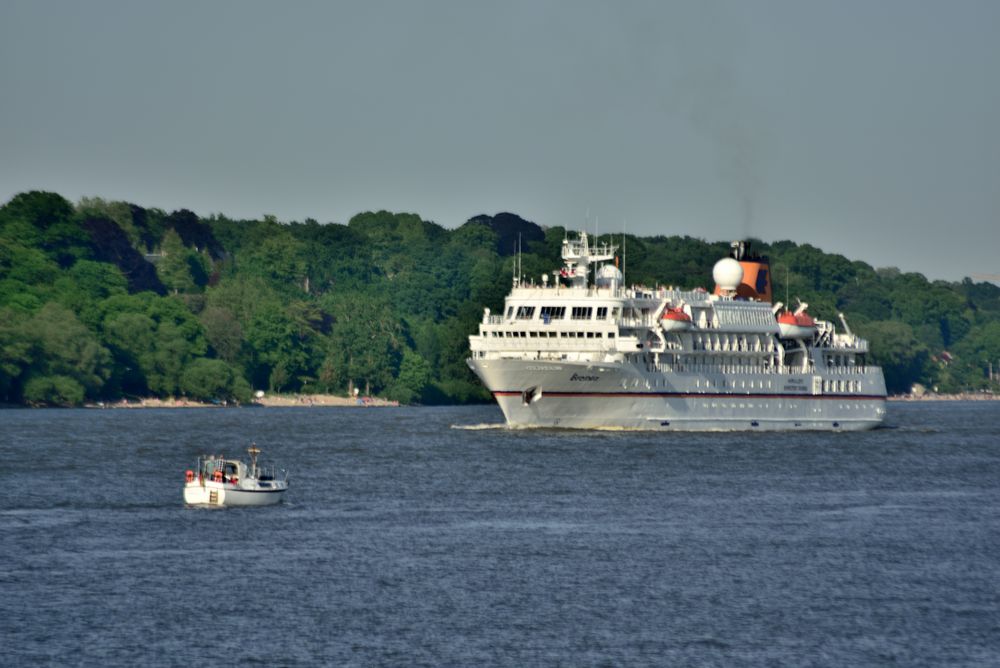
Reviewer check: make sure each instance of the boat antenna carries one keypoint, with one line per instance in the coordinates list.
(254, 451)
(624, 228)
(519, 257)
(787, 300)
(597, 243)
(513, 267)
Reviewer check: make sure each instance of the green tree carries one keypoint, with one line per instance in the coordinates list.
(119, 212)
(181, 269)
(16, 353)
(156, 336)
(279, 357)
(365, 344)
(57, 390)
(69, 364)
(45, 220)
(223, 332)
(210, 380)
(26, 276)
(978, 351)
(414, 378)
(280, 259)
(904, 359)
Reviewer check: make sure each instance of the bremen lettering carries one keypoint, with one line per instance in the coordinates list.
(584, 378)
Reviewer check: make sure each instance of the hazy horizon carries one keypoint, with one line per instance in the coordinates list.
(865, 129)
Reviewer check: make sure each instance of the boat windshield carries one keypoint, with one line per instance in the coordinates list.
(209, 465)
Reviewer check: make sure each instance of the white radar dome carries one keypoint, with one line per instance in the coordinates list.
(727, 273)
(608, 274)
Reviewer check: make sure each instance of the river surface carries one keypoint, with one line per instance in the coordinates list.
(427, 536)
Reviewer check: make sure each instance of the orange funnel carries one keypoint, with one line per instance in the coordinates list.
(756, 283)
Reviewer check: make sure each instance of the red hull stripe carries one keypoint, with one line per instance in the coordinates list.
(693, 395)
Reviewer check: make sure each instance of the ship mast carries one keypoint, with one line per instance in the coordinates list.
(578, 256)
(254, 451)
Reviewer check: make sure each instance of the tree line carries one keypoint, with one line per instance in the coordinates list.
(101, 300)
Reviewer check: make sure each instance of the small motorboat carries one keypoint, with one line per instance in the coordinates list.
(217, 481)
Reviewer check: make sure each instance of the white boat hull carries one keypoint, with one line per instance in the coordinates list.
(620, 396)
(211, 493)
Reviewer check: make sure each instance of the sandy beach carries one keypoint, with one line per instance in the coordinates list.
(265, 401)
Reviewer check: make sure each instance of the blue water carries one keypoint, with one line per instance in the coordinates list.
(406, 541)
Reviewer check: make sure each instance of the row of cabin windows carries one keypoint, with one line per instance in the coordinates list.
(780, 404)
(841, 386)
(839, 360)
(549, 313)
(828, 385)
(722, 383)
(550, 335)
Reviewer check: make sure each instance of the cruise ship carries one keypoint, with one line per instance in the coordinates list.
(581, 350)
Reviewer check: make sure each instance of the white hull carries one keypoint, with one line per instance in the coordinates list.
(621, 396)
(211, 493)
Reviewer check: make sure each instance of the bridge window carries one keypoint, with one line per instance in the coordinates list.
(525, 312)
(602, 312)
(582, 312)
(553, 313)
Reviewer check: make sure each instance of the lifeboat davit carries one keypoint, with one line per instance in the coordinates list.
(796, 325)
(675, 320)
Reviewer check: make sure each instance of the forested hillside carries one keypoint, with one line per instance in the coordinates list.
(102, 300)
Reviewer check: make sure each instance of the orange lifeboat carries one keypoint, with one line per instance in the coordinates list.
(796, 325)
(675, 320)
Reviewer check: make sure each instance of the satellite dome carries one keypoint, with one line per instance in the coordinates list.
(727, 273)
(607, 275)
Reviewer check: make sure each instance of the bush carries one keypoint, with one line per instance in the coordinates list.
(53, 391)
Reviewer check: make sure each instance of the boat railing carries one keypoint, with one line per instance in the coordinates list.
(271, 472)
(858, 345)
(579, 341)
(738, 369)
(845, 370)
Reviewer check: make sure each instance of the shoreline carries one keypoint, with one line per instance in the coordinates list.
(961, 396)
(277, 400)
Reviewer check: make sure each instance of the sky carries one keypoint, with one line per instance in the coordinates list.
(866, 128)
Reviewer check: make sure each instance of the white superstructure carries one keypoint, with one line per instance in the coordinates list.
(581, 353)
